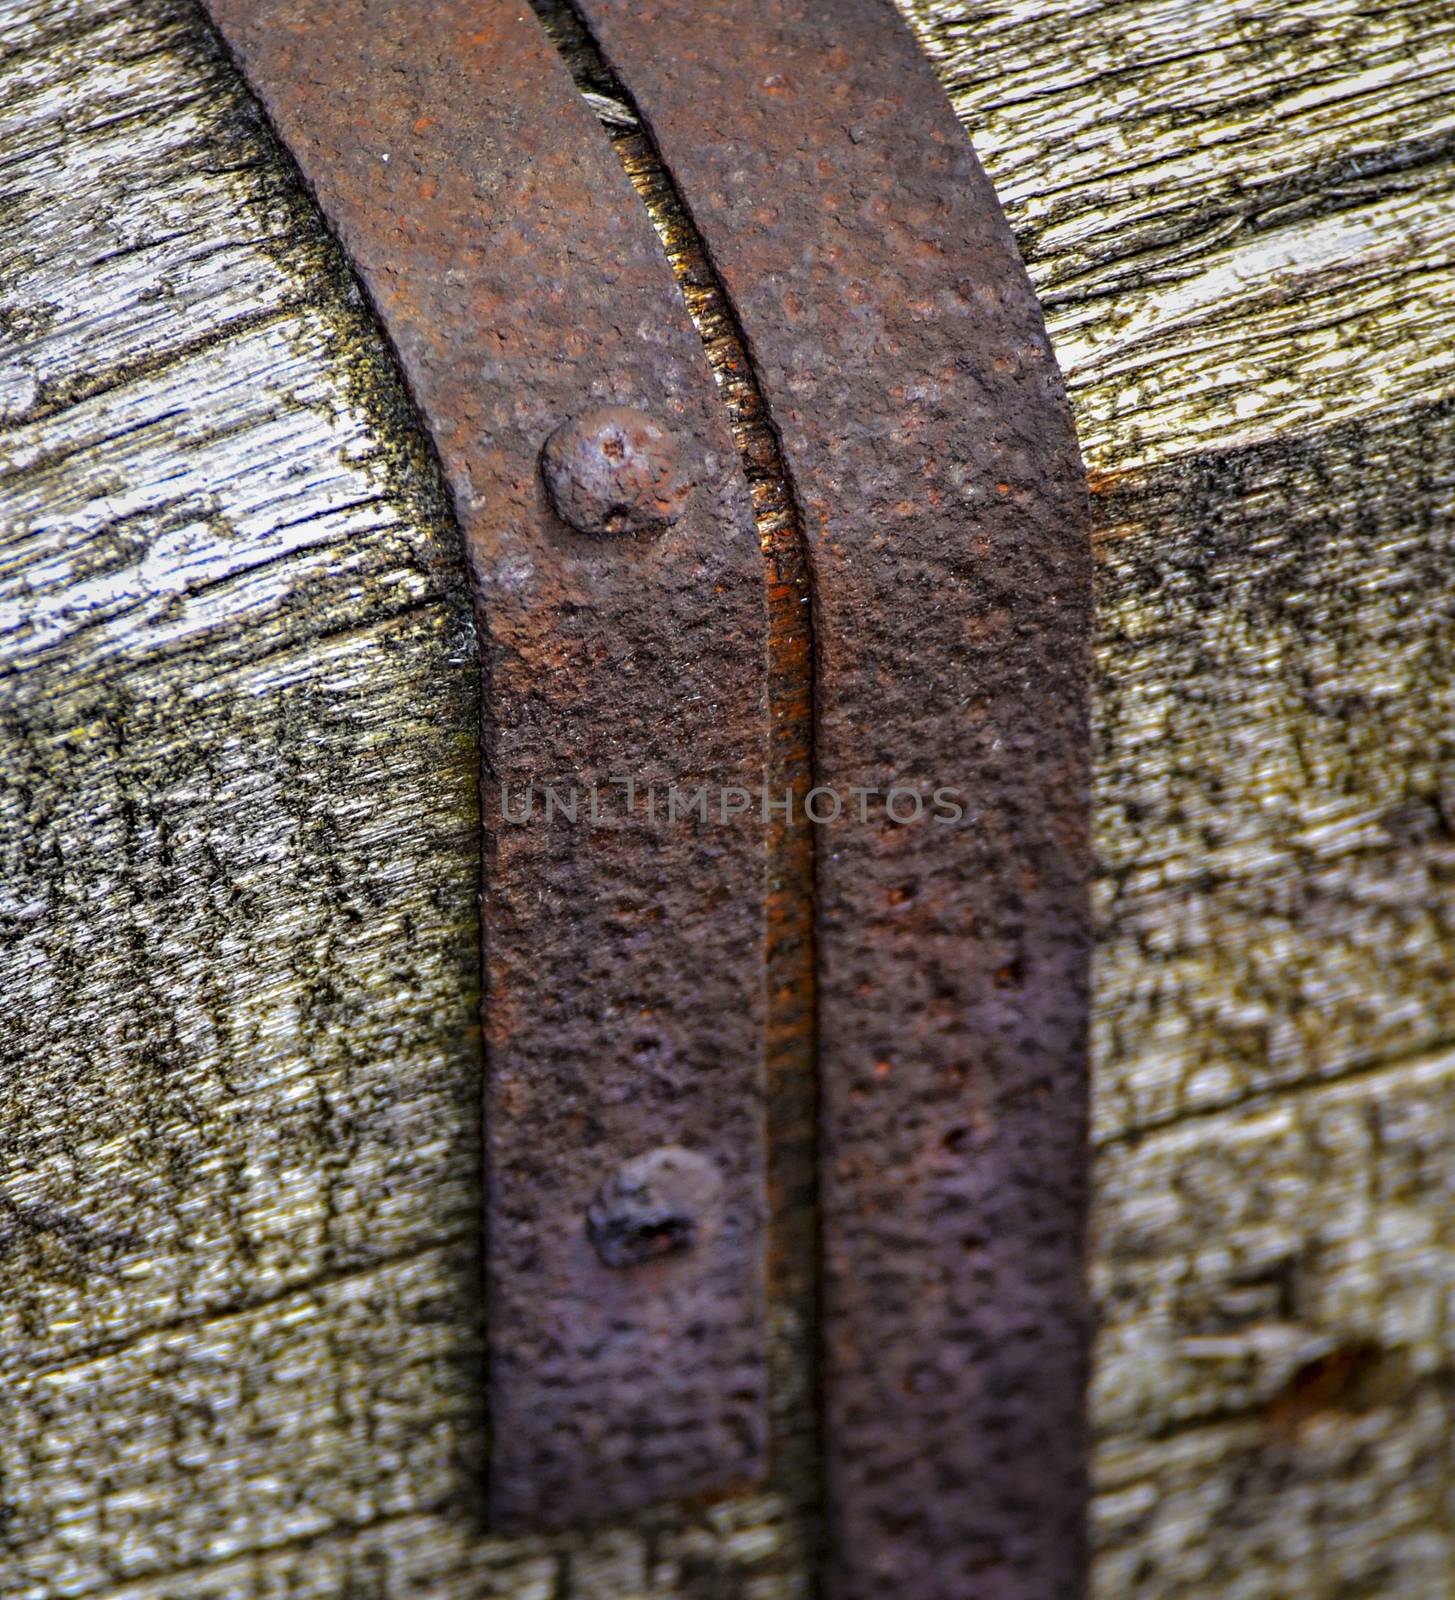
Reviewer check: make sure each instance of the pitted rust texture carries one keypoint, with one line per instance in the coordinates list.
(932, 456)
(792, 1090)
(522, 286)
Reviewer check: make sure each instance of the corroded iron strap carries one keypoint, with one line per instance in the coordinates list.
(929, 446)
(619, 591)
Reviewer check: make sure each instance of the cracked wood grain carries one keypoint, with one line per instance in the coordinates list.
(238, 1176)
(1239, 220)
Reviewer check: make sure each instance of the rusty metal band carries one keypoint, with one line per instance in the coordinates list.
(931, 452)
(619, 590)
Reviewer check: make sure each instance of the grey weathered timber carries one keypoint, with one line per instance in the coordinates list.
(240, 1283)
(239, 1188)
(1241, 221)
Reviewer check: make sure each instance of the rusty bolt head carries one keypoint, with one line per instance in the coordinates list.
(614, 470)
(657, 1204)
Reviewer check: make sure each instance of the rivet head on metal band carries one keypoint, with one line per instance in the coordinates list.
(657, 1204)
(614, 471)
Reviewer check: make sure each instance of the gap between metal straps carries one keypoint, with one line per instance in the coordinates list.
(791, 1064)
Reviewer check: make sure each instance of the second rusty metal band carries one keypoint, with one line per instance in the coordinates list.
(926, 436)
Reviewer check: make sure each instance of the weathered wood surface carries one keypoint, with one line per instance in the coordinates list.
(1241, 219)
(238, 1178)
